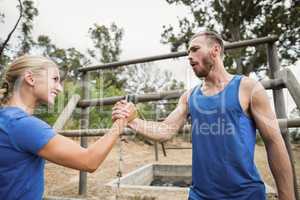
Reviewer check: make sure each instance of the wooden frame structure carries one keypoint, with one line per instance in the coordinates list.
(279, 79)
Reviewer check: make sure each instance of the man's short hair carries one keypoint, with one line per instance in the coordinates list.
(213, 37)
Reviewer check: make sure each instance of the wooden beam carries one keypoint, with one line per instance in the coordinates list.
(173, 94)
(276, 83)
(92, 132)
(290, 123)
(227, 46)
(66, 113)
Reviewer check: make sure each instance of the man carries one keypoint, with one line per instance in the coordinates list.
(225, 112)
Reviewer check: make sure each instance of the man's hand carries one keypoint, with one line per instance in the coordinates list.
(124, 110)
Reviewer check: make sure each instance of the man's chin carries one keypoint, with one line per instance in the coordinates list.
(201, 75)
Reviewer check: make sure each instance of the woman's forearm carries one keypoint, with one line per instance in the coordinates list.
(98, 151)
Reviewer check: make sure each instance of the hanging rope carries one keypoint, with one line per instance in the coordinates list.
(128, 98)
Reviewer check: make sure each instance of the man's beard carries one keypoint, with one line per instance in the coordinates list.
(207, 66)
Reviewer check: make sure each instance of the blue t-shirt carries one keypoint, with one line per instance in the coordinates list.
(21, 169)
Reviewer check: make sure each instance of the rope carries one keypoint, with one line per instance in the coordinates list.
(128, 98)
(119, 173)
(133, 99)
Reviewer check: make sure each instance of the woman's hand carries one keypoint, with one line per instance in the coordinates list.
(124, 110)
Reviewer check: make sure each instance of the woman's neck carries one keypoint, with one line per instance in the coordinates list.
(26, 105)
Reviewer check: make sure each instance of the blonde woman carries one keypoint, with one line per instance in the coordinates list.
(25, 141)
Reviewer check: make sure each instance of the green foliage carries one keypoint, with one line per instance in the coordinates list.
(240, 20)
(146, 78)
(25, 37)
(2, 16)
(50, 114)
(69, 59)
(106, 83)
(106, 43)
(4, 60)
(106, 48)
(294, 132)
(100, 116)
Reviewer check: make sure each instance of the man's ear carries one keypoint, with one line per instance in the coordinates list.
(28, 78)
(215, 50)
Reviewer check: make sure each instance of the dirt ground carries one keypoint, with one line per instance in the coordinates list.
(61, 181)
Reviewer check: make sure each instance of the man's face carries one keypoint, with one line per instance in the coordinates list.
(199, 56)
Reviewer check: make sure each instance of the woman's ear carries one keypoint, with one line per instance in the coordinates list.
(28, 78)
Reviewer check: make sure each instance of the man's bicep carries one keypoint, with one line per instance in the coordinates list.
(177, 117)
(263, 114)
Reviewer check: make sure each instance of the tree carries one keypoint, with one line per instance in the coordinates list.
(69, 59)
(106, 43)
(25, 37)
(4, 59)
(147, 78)
(27, 14)
(295, 132)
(106, 48)
(240, 20)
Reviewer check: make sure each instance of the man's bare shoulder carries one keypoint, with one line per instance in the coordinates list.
(184, 98)
(250, 85)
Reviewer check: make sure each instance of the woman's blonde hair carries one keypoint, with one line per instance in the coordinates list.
(17, 68)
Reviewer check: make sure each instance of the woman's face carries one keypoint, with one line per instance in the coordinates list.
(47, 85)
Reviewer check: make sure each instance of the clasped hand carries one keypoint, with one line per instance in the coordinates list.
(124, 110)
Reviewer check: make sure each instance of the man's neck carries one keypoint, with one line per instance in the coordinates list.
(217, 77)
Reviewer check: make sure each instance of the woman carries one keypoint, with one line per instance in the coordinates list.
(25, 141)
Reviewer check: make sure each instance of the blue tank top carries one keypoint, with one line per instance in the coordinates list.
(223, 140)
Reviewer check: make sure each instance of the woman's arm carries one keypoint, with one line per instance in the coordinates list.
(64, 151)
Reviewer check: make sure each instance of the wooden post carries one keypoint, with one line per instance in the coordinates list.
(66, 113)
(155, 142)
(156, 151)
(163, 149)
(84, 124)
(280, 105)
(291, 84)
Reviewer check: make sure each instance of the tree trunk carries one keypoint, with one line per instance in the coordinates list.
(236, 36)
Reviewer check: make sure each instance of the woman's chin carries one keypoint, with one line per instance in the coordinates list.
(49, 102)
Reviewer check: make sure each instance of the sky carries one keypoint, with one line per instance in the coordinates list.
(67, 22)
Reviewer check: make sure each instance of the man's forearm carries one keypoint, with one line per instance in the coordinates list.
(281, 169)
(158, 131)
